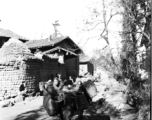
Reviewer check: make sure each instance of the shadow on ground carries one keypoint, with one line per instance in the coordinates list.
(37, 114)
(41, 114)
(94, 112)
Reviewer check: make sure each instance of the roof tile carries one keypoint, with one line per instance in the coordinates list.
(8, 33)
(44, 42)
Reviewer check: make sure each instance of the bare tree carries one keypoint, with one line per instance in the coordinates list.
(101, 14)
(99, 19)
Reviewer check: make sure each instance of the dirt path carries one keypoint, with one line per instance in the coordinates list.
(31, 110)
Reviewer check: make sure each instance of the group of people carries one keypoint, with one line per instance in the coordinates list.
(57, 81)
(57, 84)
(61, 94)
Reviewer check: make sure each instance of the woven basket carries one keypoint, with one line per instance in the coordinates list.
(91, 88)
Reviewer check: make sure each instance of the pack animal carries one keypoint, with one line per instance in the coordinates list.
(58, 103)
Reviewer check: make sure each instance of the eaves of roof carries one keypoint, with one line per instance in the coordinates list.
(59, 48)
(10, 34)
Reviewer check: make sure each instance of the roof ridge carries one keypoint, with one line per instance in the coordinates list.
(10, 33)
(44, 42)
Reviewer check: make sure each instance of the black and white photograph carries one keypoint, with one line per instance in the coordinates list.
(75, 59)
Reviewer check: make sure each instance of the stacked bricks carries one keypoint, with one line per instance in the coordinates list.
(18, 64)
(11, 79)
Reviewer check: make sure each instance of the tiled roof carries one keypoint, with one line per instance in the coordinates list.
(84, 58)
(44, 42)
(8, 33)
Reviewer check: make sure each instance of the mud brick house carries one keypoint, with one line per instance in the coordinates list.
(18, 64)
(63, 56)
(5, 35)
(85, 65)
(36, 61)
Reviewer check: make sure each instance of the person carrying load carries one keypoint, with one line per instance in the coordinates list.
(52, 98)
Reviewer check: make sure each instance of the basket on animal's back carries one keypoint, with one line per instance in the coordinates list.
(59, 101)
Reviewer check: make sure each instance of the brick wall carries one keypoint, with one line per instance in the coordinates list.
(33, 71)
(12, 75)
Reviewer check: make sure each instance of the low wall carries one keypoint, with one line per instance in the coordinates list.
(12, 75)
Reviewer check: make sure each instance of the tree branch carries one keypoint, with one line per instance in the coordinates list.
(88, 39)
(95, 21)
(142, 32)
(96, 26)
(111, 16)
(106, 23)
(145, 34)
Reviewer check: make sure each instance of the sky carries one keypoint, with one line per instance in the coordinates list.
(33, 19)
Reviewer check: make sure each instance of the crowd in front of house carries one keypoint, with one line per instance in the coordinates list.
(63, 97)
(66, 97)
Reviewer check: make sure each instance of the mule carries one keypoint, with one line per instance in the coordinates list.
(63, 104)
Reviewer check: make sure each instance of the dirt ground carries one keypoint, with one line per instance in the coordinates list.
(28, 110)
(33, 110)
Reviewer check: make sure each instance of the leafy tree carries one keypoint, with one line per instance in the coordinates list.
(136, 44)
(135, 55)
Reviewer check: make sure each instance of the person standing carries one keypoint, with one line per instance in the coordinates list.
(52, 100)
(23, 90)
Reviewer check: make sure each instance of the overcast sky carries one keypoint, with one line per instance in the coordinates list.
(32, 18)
